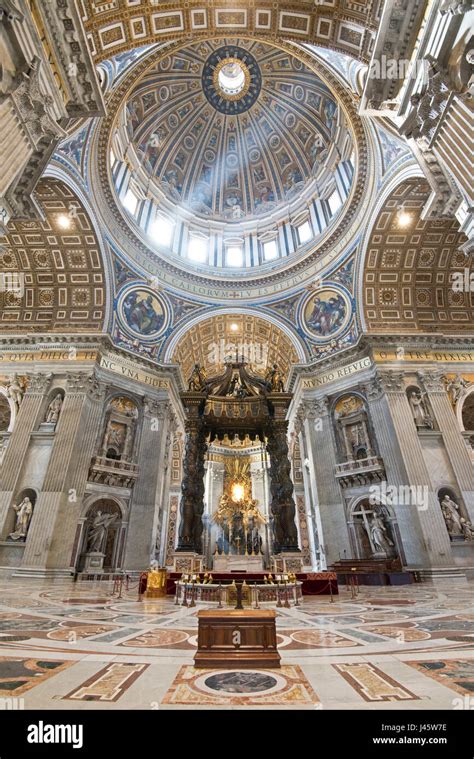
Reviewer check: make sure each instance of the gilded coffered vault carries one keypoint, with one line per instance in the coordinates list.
(348, 26)
(56, 268)
(409, 271)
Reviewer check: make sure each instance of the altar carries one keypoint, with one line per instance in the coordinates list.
(235, 563)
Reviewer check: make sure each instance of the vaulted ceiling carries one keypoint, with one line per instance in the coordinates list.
(116, 26)
(408, 270)
(214, 340)
(55, 278)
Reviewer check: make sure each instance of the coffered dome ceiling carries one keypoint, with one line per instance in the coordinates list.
(231, 153)
(242, 150)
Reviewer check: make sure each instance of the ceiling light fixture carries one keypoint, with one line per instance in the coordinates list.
(64, 221)
(403, 218)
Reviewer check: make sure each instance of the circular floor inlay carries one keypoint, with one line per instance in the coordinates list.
(241, 682)
(157, 638)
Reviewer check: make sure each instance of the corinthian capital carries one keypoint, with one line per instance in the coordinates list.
(77, 382)
(314, 409)
(39, 383)
(373, 389)
(97, 390)
(432, 380)
(158, 409)
(390, 381)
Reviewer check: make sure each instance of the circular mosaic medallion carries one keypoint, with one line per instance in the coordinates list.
(142, 312)
(326, 312)
(241, 682)
(231, 80)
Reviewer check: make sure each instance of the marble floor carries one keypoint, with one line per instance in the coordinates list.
(65, 645)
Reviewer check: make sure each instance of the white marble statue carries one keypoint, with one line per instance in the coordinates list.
(422, 419)
(23, 511)
(467, 529)
(98, 530)
(54, 409)
(451, 515)
(379, 535)
(15, 391)
(455, 388)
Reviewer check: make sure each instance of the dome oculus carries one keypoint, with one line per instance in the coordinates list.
(231, 80)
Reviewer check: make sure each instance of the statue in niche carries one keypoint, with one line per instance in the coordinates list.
(23, 511)
(98, 530)
(15, 391)
(467, 529)
(418, 409)
(274, 380)
(114, 438)
(455, 388)
(379, 535)
(54, 409)
(451, 516)
(197, 381)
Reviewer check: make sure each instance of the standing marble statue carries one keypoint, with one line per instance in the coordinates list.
(15, 391)
(54, 409)
(467, 529)
(379, 535)
(97, 532)
(422, 419)
(451, 516)
(23, 512)
(455, 388)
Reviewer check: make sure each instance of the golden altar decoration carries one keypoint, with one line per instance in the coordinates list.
(156, 582)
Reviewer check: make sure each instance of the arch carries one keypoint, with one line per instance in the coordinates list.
(354, 434)
(346, 28)
(52, 393)
(6, 424)
(118, 436)
(362, 538)
(26, 492)
(208, 334)
(113, 539)
(406, 273)
(95, 498)
(465, 410)
(58, 265)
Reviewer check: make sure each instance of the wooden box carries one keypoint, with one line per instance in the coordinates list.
(230, 639)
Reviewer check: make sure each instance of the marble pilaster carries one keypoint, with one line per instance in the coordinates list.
(454, 442)
(147, 491)
(25, 423)
(54, 521)
(321, 454)
(428, 516)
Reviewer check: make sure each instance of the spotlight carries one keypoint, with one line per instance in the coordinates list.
(403, 218)
(64, 222)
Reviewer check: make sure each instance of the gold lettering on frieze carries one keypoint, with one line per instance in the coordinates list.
(445, 357)
(134, 373)
(336, 374)
(71, 354)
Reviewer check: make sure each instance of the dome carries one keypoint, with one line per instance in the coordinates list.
(228, 141)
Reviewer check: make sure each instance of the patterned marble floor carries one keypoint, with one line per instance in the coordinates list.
(66, 646)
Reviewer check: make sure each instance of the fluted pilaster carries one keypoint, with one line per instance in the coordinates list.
(455, 445)
(15, 454)
(55, 514)
(146, 498)
(430, 518)
(332, 527)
